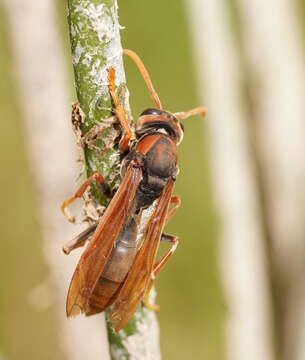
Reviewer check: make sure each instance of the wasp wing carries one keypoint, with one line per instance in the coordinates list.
(139, 276)
(94, 258)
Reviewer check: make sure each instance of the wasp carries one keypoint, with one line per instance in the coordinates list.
(119, 265)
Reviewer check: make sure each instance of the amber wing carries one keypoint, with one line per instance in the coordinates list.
(139, 276)
(94, 258)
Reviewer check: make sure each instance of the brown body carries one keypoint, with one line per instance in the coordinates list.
(118, 266)
(158, 155)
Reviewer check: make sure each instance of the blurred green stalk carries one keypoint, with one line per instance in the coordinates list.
(96, 46)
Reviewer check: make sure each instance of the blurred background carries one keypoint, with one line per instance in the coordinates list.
(235, 287)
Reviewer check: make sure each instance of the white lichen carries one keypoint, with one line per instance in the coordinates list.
(140, 346)
(104, 22)
(100, 19)
(87, 58)
(77, 53)
(72, 30)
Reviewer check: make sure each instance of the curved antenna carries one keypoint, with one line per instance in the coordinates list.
(185, 114)
(145, 75)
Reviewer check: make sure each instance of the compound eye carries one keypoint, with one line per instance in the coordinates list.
(151, 112)
(182, 126)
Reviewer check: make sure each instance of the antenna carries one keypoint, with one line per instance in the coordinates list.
(137, 60)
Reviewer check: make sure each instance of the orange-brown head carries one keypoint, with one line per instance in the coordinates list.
(156, 120)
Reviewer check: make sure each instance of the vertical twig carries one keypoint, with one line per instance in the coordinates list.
(96, 46)
(275, 58)
(242, 250)
(44, 96)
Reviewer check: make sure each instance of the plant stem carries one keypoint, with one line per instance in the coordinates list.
(96, 46)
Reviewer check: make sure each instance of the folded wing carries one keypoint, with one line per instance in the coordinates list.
(94, 258)
(139, 276)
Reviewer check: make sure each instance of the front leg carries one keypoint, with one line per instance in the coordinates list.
(119, 111)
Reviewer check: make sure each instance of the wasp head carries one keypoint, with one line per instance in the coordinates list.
(155, 120)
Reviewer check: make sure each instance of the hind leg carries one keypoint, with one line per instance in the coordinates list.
(105, 188)
(157, 268)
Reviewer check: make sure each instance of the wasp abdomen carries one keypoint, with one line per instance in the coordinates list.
(116, 269)
(103, 295)
(123, 254)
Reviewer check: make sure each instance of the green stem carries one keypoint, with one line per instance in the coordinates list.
(96, 46)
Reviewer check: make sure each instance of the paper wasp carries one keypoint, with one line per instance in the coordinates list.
(117, 268)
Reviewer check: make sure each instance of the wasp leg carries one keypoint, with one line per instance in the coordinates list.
(146, 300)
(177, 202)
(159, 265)
(79, 240)
(164, 237)
(137, 60)
(99, 179)
(185, 114)
(157, 268)
(119, 111)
